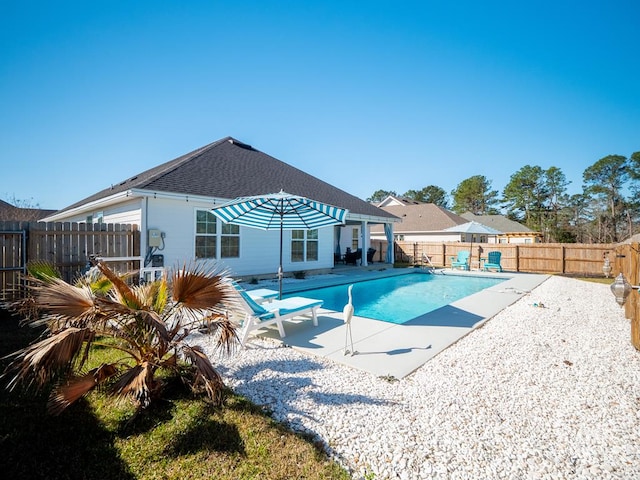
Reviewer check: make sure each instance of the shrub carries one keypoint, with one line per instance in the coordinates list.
(148, 324)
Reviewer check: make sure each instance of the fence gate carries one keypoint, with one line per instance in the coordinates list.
(13, 257)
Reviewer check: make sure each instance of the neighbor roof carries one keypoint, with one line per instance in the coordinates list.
(228, 169)
(423, 217)
(391, 200)
(499, 222)
(12, 213)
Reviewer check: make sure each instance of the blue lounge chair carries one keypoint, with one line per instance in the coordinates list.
(262, 295)
(461, 261)
(493, 261)
(259, 295)
(262, 315)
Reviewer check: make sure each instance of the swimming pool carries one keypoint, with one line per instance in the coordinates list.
(401, 298)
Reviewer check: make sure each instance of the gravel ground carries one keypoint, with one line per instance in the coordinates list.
(548, 388)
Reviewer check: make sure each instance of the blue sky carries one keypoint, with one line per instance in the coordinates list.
(365, 95)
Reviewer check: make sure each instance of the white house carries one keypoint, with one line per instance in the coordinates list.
(420, 222)
(172, 203)
(512, 232)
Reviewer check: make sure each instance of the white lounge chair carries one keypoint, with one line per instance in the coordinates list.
(262, 315)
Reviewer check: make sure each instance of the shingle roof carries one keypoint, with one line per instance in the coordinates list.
(499, 222)
(423, 217)
(11, 213)
(391, 200)
(228, 169)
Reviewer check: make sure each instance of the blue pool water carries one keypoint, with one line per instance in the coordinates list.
(401, 298)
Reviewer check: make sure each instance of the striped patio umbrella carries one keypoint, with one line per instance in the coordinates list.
(280, 211)
(473, 228)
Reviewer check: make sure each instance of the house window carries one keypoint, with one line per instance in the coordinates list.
(206, 238)
(304, 245)
(312, 245)
(230, 241)
(354, 239)
(213, 241)
(96, 217)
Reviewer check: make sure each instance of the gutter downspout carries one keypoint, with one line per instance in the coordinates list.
(144, 240)
(365, 243)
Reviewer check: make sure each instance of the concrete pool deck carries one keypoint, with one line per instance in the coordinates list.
(390, 350)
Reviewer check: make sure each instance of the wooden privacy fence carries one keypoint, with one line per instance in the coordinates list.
(68, 246)
(568, 258)
(626, 260)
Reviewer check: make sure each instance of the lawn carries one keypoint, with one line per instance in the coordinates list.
(179, 437)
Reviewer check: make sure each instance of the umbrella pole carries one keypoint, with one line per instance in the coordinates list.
(280, 273)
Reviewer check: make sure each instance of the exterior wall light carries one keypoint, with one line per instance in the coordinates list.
(621, 289)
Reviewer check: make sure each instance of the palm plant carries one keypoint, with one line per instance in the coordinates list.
(147, 324)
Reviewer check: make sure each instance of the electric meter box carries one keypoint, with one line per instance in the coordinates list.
(155, 238)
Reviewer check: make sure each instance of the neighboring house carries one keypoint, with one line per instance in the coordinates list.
(172, 203)
(16, 214)
(513, 232)
(421, 222)
(392, 201)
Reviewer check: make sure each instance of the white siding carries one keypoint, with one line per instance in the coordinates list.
(423, 237)
(175, 219)
(347, 237)
(259, 250)
(128, 212)
(74, 218)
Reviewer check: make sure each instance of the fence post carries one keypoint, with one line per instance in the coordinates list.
(517, 258)
(634, 276)
(623, 265)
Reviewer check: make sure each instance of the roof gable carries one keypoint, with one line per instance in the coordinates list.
(423, 217)
(228, 169)
(392, 201)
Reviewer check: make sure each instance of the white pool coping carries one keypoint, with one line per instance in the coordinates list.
(390, 350)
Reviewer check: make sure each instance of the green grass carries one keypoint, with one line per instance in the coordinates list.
(180, 436)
